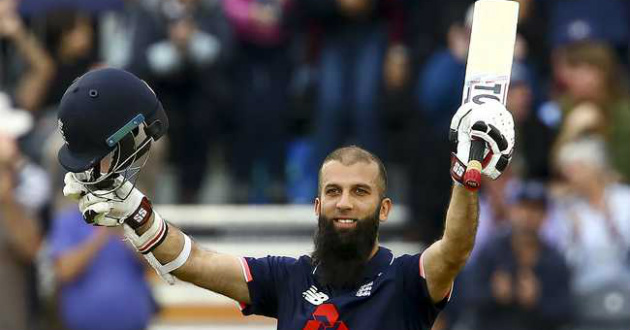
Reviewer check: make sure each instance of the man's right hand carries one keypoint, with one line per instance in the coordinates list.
(109, 208)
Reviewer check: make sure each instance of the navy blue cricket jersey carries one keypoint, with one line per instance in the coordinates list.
(392, 296)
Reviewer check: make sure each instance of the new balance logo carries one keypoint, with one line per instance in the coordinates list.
(365, 290)
(316, 298)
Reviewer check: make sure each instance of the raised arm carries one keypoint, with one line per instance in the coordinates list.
(444, 259)
(33, 84)
(493, 124)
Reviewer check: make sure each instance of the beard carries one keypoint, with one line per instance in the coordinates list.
(341, 255)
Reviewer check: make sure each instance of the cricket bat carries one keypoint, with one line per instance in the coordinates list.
(488, 66)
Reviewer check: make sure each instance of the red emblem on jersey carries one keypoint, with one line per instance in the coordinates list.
(325, 317)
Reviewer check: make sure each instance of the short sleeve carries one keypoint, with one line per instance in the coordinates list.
(68, 231)
(266, 278)
(416, 289)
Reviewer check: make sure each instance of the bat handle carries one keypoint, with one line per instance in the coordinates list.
(472, 177)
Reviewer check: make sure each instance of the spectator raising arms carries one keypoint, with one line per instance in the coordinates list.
(31, 89)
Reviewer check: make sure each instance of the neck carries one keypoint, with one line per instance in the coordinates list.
(374, 249)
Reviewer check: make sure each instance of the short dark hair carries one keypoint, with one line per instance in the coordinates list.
(351, 155)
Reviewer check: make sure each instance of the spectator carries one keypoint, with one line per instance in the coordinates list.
(590, 72)
(263, 68)
(69, 37)
(101, 282)
(355, 37)
(442, 79)
(399, 120)
(584, 119)
(592, 227)
(24, 191)
(535, 139)
(533, 27)
(32, 85)
(494, 208)
(438, 95)
(116, 33)
(603, 21)
(183, 48)
(519, 281)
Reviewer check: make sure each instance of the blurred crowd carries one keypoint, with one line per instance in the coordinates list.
(271, 86)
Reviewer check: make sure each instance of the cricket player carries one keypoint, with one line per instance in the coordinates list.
(109, 118)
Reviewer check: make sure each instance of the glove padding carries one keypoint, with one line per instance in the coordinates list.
(108, 208)
(490, 122)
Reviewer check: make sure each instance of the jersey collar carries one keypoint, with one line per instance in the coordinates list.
(381, 260)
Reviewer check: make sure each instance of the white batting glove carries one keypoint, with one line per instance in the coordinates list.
(490, 122)
(109, 208)
(129, 207)
(72, 188)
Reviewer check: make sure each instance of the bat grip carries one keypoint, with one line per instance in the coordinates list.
(472, 177)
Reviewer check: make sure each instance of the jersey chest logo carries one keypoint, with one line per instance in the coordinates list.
(365, 290)
(314, 297)
(325, 317)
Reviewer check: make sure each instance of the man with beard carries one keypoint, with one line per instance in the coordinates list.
(350, 281)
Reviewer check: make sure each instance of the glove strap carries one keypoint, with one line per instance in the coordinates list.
(153, 237)
(458, 169)
(142, 214)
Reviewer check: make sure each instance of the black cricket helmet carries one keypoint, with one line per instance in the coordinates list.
(108, 116)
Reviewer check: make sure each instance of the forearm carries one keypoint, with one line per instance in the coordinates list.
(444, 259)
(24, 233)
(73, 263)
(461, 227)
(32, 87)
(214, 271)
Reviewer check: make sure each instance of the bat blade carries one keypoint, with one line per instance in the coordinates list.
(491, 50)
(488, 66)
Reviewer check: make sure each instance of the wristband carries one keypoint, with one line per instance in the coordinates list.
(153, 237)
(181, 258)
(141, 215)
(458, 169)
